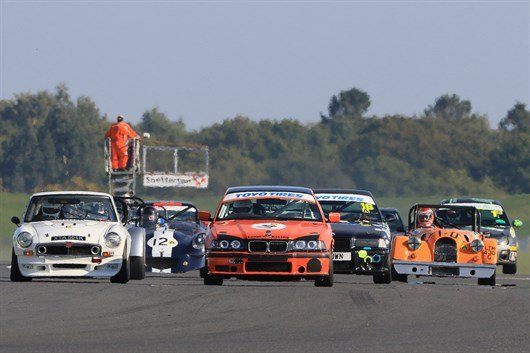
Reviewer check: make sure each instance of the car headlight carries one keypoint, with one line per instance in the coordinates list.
(235, 244)
(198, 242)
(230, 244)
(24, 239)
(477, 245)
(299, 245)
(413, 243)
(308, 245)
(373, 243)
(112, 240)
(503, 240)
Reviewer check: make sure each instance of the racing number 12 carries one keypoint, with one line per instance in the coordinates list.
(161, 241)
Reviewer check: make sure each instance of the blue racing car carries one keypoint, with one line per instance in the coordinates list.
(174, 236)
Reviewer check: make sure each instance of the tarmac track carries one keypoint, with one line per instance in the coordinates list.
(177, 313)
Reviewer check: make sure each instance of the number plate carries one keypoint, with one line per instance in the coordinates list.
(68, 237)
(342, 256)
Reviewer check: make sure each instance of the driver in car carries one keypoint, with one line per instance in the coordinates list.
(426, 218)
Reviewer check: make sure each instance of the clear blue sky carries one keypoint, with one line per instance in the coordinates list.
(208, 61)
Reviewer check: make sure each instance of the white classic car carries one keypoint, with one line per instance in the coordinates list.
(75, 234)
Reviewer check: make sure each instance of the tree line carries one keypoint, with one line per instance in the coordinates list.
(50, 141)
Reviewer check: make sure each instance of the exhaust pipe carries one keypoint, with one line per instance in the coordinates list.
(41, 250)
(94, 250)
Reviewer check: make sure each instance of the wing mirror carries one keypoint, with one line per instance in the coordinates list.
(15, 220)
(334, 217)
(205, 216)
(390, 217)
(517, 223)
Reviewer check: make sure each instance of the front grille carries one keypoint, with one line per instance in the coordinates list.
(74, 250)
(257, 246)
(278, 246)
(268, 267)
(445, 250)
(360, 243)
(342, 244)
(69, 266)
(265, 246)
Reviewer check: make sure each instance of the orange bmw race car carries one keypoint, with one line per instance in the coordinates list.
(444, 240)
(268, 233)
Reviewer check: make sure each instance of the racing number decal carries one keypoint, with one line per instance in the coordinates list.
(366, 207)
(161, 241)
(489, 251)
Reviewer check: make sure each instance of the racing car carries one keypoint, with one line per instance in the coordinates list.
(361, 235)
(495, 223)
(269, 233)
(74, 234)
(174, 236)
(444, 241)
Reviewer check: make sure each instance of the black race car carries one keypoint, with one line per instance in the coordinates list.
(362, 237)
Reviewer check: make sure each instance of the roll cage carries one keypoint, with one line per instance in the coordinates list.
(413, 216)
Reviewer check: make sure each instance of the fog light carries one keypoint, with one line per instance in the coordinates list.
(185, 263)
(28, 252)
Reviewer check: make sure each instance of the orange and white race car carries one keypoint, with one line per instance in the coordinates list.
(444, 240)
(268, 233)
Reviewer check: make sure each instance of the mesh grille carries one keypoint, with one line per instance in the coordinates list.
(445, 250)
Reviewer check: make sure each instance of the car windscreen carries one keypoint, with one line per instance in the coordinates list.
(75, 207)
(491, 215)
(454, 218)
(270, 208)
(352, 211)
(493, 218)
(394, 224)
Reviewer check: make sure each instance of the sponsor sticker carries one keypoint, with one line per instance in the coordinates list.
(68, 237)
(481, 206)
(346, 198)
(269, 194)
(268, 226)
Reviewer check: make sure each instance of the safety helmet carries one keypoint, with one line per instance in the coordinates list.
(50, 211)
(425, 217)
(242, 206)
(149, 217)
(119, 118)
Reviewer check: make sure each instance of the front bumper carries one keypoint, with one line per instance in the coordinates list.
(444, 269)
(507, 254)
(67, 266)
(363, 261)
(245, 265)
(177, 263)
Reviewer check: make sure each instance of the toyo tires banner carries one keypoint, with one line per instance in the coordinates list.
(199, 181)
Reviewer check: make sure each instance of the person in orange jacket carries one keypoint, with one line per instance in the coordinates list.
(120, 133)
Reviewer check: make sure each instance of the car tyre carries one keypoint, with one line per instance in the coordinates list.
(398, 277)
(16, 275)
(211, 280)
(125, 273)
(487, 281)
(509, 269)
(383, 278)
(326, 281)
(137, 267)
